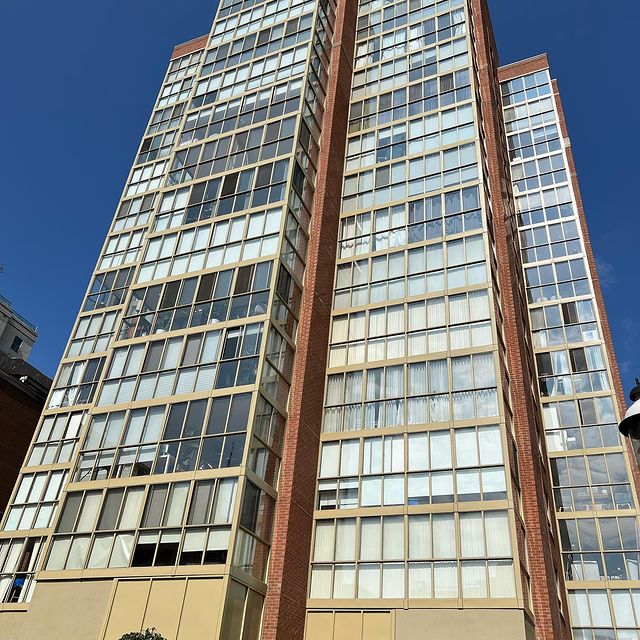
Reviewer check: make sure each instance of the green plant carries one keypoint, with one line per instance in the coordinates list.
(147, 634)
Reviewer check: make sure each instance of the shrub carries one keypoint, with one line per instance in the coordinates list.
(147, 634)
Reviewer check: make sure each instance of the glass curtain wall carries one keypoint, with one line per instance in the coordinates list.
(595, 504)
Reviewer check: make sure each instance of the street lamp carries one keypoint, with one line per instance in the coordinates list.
(630, 425)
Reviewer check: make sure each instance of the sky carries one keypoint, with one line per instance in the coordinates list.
(81, 79)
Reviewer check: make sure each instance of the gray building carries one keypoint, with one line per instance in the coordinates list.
(17, 334)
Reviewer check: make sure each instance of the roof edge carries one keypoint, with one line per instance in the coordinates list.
(523, 67)
(195, 44)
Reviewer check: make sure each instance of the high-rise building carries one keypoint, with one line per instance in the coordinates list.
(343, 369)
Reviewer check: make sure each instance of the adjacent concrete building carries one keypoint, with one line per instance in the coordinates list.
(343, 368)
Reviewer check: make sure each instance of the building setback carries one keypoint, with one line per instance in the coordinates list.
(343, 369)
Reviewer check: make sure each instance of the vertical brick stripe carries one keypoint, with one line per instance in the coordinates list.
(285, 604)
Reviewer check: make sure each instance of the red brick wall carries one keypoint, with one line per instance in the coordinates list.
(542, 548)
(189, 47)
(20, 414)
(285, 604)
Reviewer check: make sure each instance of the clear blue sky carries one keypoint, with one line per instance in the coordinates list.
(80, 80)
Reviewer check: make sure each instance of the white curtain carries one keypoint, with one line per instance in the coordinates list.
(345, 540)
(334, 390)
(481, 334)
(372, 456)
(394, 382)
(78, 553)
(440, 447)
(329, 459)
(349, 457)
(376, 349)
(474, 579)
(417, 316)
(498, 535)
(484, 371)
(501, 579)
(393, 490)
(437, 339)
(439, 408)
(321, 581)
(175, 508)
(417, 378)
(353, 387)
(445, 578)
(436, 312)
(466, 448)
(458, 309)
(344, 581)
(459, 336)
(393, 538)
(377, 323)
(463, 405)
(356, 326)
(370, 539)
(479, 305)
(461, 373)
(332, 419)
(395, 347)
(418, 488)
(472, 535)
(394, 454)
(417, 410)
(486, 403)
(340, 329)
(468, 481)
(493, 481)
(418, 450)
(417, 344)
(420, 582)
(225, 499)
(579, 608)
(395, 319)
(490, 445)
(394, 413)
(419, 537)
(374, 384)
(371, 492)
(438, 376)
(369, 581)
(444, 536)
(393, 580)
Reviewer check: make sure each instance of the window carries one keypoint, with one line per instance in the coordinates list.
(375, 567)
(161, 525)
(16, 344)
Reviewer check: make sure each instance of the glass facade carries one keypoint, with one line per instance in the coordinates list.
(595, 503)
(416, 495)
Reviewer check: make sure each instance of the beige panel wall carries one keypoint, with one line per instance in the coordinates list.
(127, 610)
(63, 610)
(479, 624)
(12, 625)
(201, 610)
(179, 609)
(349, 625)
(420, 624)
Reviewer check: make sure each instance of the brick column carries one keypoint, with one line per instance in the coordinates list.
(285, 604)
